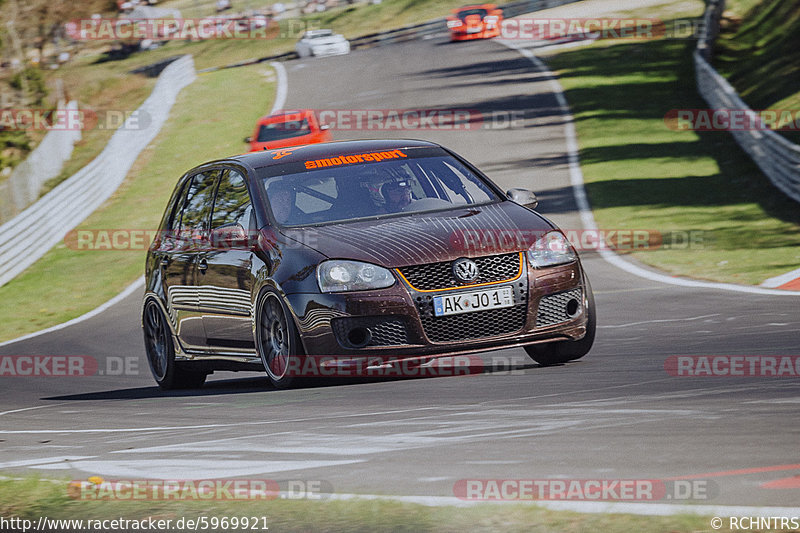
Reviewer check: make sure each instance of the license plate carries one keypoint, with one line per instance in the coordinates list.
(469, 302)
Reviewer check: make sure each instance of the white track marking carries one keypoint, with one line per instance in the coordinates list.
(44, 461)
(587, 217)
(207, 426)
(649, 509)
(130, 289)
(777, 281)
(190, 468)
(659, 321)
(282, 91)
(30, 408)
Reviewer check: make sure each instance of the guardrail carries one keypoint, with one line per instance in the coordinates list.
(407, 33)
(777, 158)
(29, 235)
(45, 162)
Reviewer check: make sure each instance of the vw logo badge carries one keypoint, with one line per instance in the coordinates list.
(465, 270)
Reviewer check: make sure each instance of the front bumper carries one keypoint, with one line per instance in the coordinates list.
(402, 327)
(466, 34)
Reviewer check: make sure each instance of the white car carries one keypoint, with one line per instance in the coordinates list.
(322, 43)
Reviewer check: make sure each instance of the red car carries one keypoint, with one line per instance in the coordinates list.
(288, 128)
(475, 22)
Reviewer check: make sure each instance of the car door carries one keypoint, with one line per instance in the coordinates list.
(179, 257)
(224, 277)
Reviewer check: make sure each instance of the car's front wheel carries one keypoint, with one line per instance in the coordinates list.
(168, 373)
(554, 353)
(277, 340)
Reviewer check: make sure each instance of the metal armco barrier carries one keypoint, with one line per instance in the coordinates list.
(407, 33)
(45, 162)
(777, 158)
(29, 235)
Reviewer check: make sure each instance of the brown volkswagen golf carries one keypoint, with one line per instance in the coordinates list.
(379, 252)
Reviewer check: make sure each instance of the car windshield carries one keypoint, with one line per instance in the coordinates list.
(320, 35)
(340, 192)
(467, 12)
(282, 130)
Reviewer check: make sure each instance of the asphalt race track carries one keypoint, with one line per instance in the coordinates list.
(616, 414)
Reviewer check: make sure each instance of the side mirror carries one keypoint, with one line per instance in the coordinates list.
(248, 140)
(523, 197)
(230, 237)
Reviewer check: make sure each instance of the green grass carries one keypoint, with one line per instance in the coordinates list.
(351, 21)
(642, 175)
(31, 498)
(108, 85)
(66, 283)
(757, 52)
(56, 288)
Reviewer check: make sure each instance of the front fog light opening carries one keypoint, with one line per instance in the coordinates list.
(359, 337)
(573, 307)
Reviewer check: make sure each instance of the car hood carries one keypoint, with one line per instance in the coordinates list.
(421, 238)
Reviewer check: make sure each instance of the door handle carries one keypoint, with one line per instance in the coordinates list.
(203, 266)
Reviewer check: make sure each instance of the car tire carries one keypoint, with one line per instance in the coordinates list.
(160, 349)
(555, 353)
(277, 340)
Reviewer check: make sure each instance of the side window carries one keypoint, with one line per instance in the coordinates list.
(233, 203)
(174, 223)
(199, 199)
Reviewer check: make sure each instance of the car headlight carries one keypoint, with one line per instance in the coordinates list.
(551, 249)
(338, 275)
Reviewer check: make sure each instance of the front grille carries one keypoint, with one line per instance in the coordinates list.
(434, 276)
(386, 331)
(489, 323)
(553, 308)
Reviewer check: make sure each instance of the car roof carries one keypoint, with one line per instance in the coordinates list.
(306, 152)
(313, 33)
(474, 6)
(288, 115)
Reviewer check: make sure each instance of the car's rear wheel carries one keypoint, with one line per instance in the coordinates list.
(277, 340)
(554, 353)
(168, 373)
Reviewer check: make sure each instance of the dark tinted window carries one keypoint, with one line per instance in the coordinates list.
(232, 203)
(467, 12)
(174, 223)
(283, 130)
(199, 200)
(351, 191)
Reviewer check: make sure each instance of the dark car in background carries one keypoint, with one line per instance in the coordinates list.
(380, 251)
